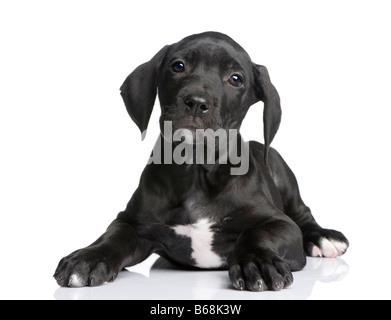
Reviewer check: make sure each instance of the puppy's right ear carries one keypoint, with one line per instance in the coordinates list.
(139, 91)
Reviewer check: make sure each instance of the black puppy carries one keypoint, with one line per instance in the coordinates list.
(254, 223)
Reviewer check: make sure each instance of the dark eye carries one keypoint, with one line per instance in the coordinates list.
(236, 80)
(178, 66)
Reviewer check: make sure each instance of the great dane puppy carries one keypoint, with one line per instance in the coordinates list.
(252, 222)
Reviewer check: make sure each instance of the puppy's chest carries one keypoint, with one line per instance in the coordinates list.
(200, 234)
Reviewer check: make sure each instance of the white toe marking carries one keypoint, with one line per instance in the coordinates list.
(201, 237)
(316, 252)
(329, 248)
(75, 281)
(340, 246)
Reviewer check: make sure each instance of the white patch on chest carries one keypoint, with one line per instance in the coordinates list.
(201, 237)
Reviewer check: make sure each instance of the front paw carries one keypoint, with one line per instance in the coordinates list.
(257, 273)
(325, 243)
(85, 267)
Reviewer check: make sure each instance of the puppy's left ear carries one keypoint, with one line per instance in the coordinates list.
(139, 91)
(266, 92)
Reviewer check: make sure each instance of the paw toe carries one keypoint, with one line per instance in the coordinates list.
(235, 274)
(253, 278)
(76, 280)
(340, 246)
(316, 251)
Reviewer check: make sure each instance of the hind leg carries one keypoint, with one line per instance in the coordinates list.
(318, 242)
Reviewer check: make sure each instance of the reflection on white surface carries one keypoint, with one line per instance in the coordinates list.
(157, 279)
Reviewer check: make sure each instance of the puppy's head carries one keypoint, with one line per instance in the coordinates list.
(205, 81)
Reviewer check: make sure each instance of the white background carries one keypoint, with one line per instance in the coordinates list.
(71, 157)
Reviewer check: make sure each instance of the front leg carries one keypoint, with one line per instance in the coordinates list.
(101, 262)
(265, 256)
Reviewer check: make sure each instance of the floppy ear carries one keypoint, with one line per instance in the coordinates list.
(139, 91)
(266, 92)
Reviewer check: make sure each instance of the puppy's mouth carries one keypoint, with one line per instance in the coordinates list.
(193, 125)
(181, 128)
(187, 131)
(184, 122)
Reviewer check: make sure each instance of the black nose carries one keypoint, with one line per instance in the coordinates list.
(196, 106)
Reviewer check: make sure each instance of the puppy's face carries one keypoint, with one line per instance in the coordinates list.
(205, 83)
